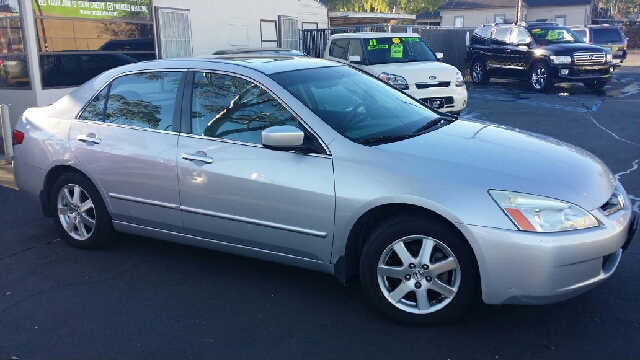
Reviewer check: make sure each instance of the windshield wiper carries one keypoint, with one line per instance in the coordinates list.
(432, 123)
(429, 126)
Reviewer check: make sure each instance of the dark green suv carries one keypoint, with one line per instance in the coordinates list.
(542, 53)
(606, 36)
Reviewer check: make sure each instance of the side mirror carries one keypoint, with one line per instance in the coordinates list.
(285, 138)
(439, 56)
(523, 42)
(355, 59)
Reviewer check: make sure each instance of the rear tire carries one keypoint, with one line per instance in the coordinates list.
(479, 72)
(79, 213)
(595, 84)
(419, 271)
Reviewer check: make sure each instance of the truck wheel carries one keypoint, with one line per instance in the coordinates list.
(540, 77)
(479, 72)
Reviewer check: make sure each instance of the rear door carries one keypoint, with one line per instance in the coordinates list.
(127, 139)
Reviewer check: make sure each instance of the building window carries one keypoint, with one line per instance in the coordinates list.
(174, 33)
(268, 33)
(85, 38)
(14, 70)
(458, 21)
(561, 20)
(499, 19)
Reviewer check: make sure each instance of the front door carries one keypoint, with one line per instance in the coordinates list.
(126, 139)
(235, 191)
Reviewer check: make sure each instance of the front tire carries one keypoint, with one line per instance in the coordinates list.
(418, 271)
(540, 78)
(595, 85)
(79, 213)
(479, 72)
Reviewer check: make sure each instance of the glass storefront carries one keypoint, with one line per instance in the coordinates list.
(14, 72)
(78, 40)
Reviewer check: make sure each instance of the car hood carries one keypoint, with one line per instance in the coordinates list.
(416, 71)
(571, 48)
(495, 157)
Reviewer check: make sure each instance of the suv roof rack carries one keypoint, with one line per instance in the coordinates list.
(498, 24)
(539, 23)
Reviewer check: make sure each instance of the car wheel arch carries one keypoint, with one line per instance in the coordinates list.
(347, 265)
(53, 175)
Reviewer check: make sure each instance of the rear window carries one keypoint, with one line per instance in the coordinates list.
(606, 36)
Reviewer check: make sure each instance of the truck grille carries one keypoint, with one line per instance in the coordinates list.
(584, 58)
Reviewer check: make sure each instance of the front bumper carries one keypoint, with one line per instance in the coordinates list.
(570, 73)
(519, 267)
(454, 98)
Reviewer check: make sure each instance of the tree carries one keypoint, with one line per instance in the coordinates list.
(420, 6)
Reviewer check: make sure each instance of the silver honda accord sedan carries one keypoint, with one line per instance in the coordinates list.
(314, 164)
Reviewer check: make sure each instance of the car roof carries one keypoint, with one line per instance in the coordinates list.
(369, 35)
(264, 63)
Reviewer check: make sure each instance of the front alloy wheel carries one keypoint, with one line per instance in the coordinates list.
(540, 78)
(418, 274)
(419, 270)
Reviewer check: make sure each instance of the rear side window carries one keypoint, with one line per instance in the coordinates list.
(480, 37)
(146, 100)
(339, 49)
(607, 36)
(500, 36)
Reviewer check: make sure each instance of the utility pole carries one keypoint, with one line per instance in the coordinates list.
(518, 9)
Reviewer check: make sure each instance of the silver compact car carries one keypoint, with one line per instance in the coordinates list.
(314, 164)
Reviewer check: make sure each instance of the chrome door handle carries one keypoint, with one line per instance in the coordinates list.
(89, 138)
(198, 156)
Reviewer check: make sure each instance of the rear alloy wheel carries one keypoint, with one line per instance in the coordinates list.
(540, 78)
(80, 214)
(479, 72)
(418, 272)
(595, 84)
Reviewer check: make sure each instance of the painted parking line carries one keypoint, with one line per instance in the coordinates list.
(542, 104)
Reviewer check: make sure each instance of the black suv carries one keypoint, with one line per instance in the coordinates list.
(542, 53)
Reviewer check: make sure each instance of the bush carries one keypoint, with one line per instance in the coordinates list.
(633, 33)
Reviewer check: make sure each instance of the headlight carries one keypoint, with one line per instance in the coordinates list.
(560, 59)
(542, 214)
(395, 80)
(459, 79)
(609, 57)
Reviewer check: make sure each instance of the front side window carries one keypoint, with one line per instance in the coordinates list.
(385, 50)
(145, 100)
(519, 36)
(357, 106)
(233, 108)
(554, 35)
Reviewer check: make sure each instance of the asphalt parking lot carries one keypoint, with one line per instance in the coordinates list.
(143, 298)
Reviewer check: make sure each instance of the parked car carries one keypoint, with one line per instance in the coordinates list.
(606, 36)
(542, 53)
(14, 70)
(259, 51)
(141, 49)
(315, 164)
(405, 61)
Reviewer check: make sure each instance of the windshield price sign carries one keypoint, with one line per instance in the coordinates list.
(122, 9)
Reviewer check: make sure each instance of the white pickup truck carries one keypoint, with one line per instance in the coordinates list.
(405, 61)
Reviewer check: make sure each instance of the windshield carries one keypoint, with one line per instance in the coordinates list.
(387, 50)
(356, 105)
(554, 35)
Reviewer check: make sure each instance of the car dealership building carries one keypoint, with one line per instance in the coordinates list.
(49, 47)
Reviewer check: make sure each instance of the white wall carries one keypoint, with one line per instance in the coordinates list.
(313, 12)
(576, 15)
(225, 24)
(476, 17)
